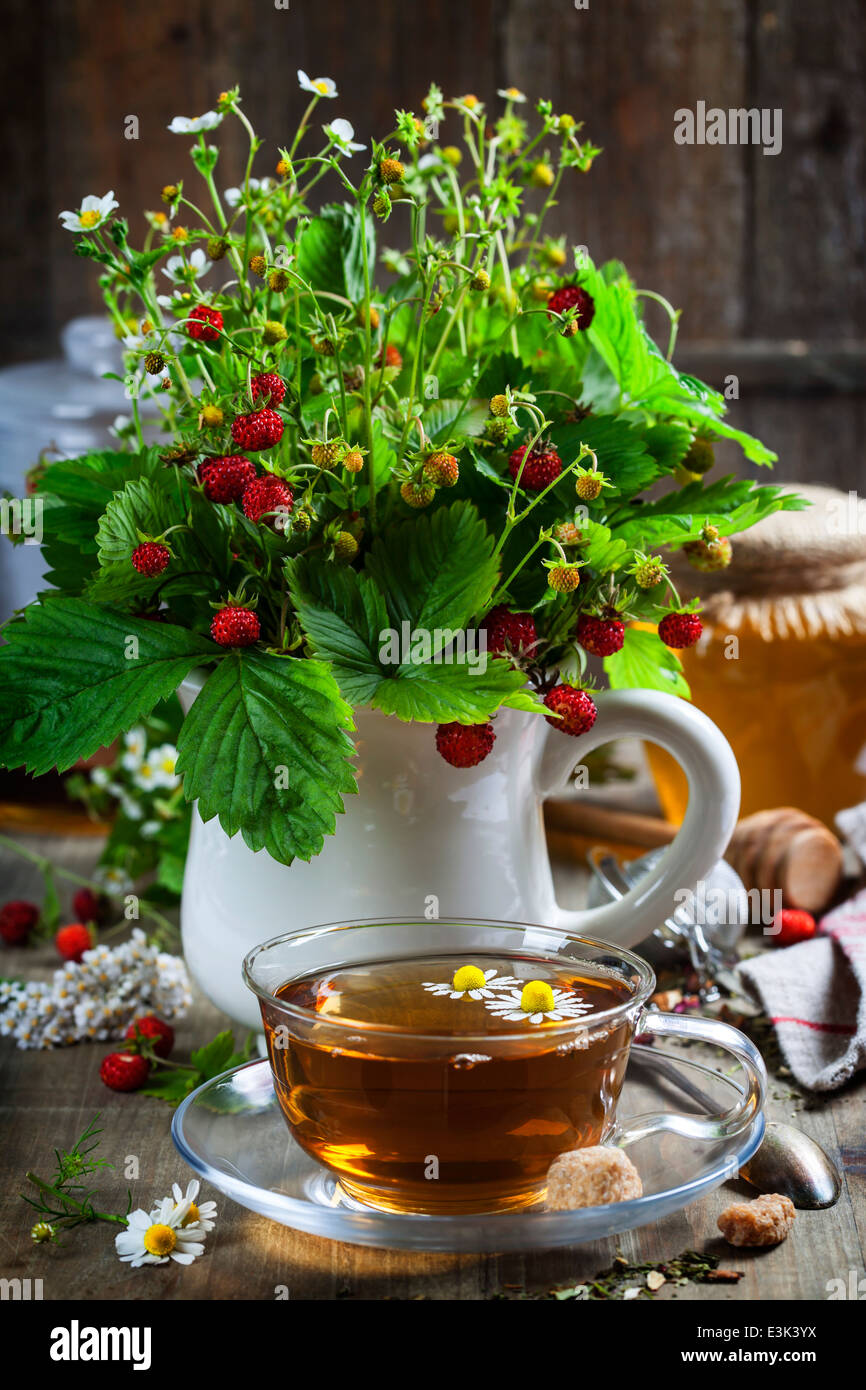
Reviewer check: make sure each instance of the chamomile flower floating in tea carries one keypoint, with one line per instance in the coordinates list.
(154, 1238)
(537, 1001)
(469, 981)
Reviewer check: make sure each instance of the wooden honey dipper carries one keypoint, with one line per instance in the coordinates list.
(787, 849)
(782, 849)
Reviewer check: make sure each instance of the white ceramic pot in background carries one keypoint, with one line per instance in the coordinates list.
(423, 837)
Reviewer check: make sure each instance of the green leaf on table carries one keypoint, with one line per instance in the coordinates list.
(74, 675)
(266, 748)
(435, 571)
(330, 252)
(645, 663)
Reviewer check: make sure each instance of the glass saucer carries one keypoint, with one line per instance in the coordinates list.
(232, 1133)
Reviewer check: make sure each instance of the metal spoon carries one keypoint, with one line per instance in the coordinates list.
(791, 1163)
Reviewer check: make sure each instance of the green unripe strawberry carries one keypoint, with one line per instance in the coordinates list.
(417, 495)
(345, 547)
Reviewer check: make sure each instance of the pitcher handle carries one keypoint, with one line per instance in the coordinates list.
(706, 758)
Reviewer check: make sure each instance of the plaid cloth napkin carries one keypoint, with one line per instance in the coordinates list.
(815, 994)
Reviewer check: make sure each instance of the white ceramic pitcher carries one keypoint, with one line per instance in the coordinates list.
(422, 838)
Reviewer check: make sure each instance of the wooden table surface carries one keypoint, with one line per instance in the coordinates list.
(47, 1098)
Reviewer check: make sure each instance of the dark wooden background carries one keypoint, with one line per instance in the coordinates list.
(765, 254)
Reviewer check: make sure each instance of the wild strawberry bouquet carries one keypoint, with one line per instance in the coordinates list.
(432, 478)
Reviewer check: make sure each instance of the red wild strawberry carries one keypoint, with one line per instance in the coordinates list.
(160, 1034)
(88, 906)
(464, 745)
(576, 708)
(124, 1071)
(206, 323)
(73, 941)
(268, 495)
(542, 466)
(391, 355)
(680, 629)
(150, 558)
(269, 387)
(233, 626)
(510, 634)
(794, 925)
(17, 920)
(260, 429)
(600, 636)
(225, 478)
(573, 297)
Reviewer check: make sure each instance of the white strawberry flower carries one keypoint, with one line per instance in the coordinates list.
(181, 268)
(191, 125)
(92, 213)
(161, 762)
(511, 94)
(341, 133)
(319, 86)
(135, 747)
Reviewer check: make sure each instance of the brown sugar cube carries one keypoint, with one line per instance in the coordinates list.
(591, 1178)
(764, 1221)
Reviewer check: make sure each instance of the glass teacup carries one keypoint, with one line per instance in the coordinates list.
(442, 1066)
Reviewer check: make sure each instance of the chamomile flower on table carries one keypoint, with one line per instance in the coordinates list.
(191, 125)
(319, 86)
(204, 1214)
(163, 1234)
(341, 133)
(92, 213)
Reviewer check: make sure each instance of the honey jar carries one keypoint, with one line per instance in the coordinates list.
(781, 665)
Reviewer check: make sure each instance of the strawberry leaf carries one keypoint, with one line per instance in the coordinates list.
(457, 691)
(436, 571)
(266, 748)
(343, 616)
(73, 676)
(644, 662)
